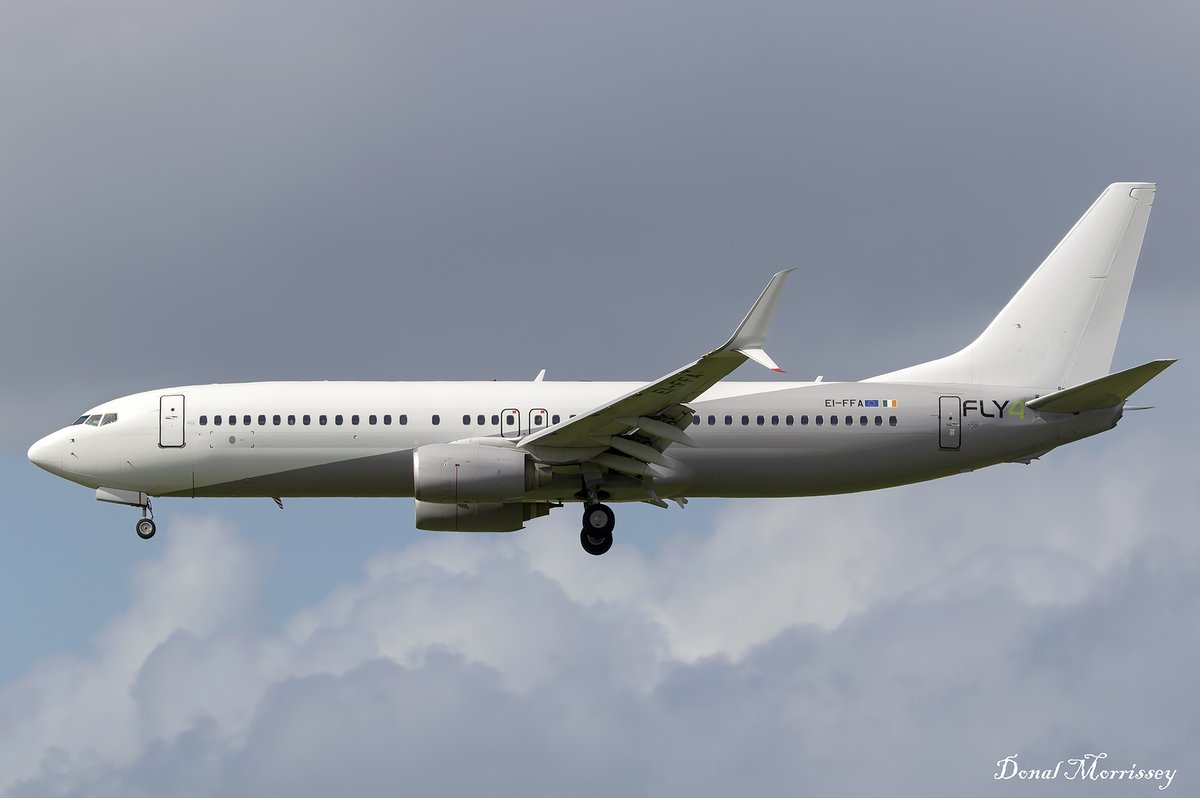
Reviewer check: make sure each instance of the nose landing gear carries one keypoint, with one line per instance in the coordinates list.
(133, 498)
(145, 527)
(598, 522)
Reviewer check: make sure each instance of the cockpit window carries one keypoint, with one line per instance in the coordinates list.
(80, 420)
(108, 418)
(93, 421)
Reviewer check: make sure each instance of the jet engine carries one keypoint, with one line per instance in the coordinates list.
(452, 473)
(476, 517)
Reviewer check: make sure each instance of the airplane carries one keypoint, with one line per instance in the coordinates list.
(491, 456)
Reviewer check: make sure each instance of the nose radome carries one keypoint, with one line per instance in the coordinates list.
(47, 454)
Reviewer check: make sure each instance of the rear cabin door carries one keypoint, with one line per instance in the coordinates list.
(950, 428)
(170, 421)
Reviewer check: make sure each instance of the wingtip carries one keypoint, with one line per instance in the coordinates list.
(752, 332)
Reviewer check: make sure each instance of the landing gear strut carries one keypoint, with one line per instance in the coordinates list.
(598, 522)
(145, 527)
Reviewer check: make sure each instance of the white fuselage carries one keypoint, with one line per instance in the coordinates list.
(753, 439)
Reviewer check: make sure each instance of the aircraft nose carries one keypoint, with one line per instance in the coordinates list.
(47, 454)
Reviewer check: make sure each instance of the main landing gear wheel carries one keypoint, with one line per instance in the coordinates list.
(145, 528)
(598, 522)
(595, 543)
(599, 518)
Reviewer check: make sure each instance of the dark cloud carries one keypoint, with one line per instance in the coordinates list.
(232, 191)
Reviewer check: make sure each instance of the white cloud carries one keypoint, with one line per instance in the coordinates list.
(86, 708)
(788, 634)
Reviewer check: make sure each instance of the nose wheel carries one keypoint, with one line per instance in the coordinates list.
(145, 527)
(598, 522)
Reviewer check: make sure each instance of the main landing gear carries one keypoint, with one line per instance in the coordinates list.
(598, 523)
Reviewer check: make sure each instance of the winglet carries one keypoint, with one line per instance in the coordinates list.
(762, 358)
(751, 334)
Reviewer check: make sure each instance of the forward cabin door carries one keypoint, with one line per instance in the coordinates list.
(170, 421)
(950, 428)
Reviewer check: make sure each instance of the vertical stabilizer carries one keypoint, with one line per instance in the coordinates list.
(1061, 327)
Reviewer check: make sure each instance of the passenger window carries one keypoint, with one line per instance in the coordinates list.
(774, 421)
(863, 420)
(246, 420)
(745, 421)
(337, 420)
(262, 421)
(437, 420)
(695, 420)
(276, 420)
(466, 421)
(791, 420)
(537, 420)
(761, 421)
(728, 421)
(803, 421)
(108, 418)
(820, 420)
(322, 420)
(495, 419)
(509, 419)
(204, 421)
(291, 421)
(879, 421)
(354, 420)
(372, 420)
(891, 421)
(553, 419)
(216, 421)
(387, 421)
(481, 420)
(712, 420)
(403, 419)
(307, 419)
(833, 420)
(849, 421)
(232, 420)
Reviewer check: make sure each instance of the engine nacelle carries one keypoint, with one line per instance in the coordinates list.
(449, 473)
(475, 517)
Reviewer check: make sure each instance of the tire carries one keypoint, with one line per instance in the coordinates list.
(599, 518)
(145, 528)
(595, 543)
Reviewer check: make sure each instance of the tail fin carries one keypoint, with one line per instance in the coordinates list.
(1061, 327)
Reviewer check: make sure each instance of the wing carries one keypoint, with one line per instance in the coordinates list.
(657, 411)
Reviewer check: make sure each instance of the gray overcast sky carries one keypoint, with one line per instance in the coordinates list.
(220, 191)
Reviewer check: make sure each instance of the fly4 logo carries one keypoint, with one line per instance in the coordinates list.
(992, 408)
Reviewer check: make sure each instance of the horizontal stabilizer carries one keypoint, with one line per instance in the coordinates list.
(1099, 394)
